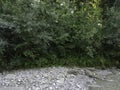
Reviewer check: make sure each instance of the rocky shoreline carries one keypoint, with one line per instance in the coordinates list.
(56, 78)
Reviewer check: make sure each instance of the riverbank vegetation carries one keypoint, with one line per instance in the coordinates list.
(39, 33)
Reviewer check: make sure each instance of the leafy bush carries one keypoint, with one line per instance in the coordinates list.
(30, 30)
(106, 5)
(111, 32)
(84, 27)
(28, 33)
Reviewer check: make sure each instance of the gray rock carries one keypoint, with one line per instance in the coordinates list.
(60, 80)
(73, 72)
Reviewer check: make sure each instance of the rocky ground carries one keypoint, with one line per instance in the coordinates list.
(61, 78)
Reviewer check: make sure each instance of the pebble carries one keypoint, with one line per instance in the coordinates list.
(60, 80)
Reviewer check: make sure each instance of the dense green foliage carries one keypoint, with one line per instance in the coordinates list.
(42, 33)
(111, 32)
(106, 5)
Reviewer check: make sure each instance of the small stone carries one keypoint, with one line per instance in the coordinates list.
(29, 88)
(37, 76)
(78, 86)
(54, 84)
(37, 88)
(50, 88)
(19, 80)
(60, 80)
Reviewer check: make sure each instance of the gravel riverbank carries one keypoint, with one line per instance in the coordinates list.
(56, 78)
